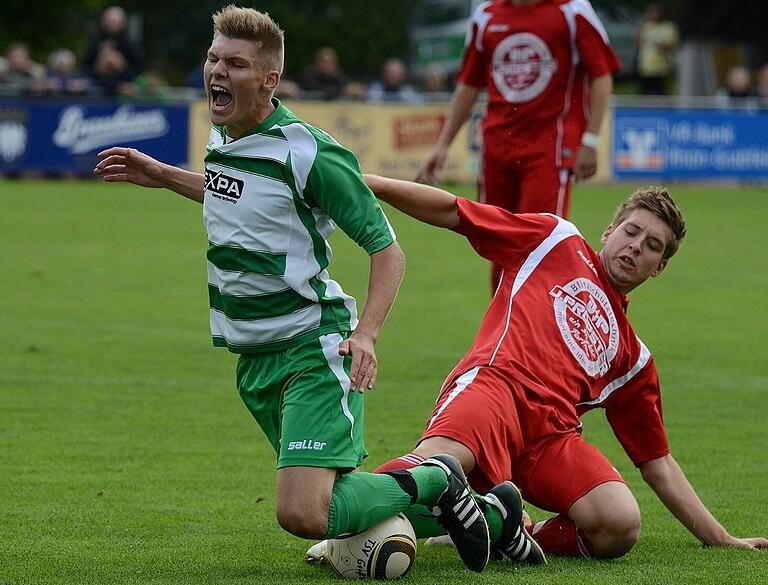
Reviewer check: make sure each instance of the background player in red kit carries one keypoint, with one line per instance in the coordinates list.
(554, 343)
(547, 67)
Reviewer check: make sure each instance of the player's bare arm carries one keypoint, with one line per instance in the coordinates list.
(387, 269)
(424, 202)
(464, 97)
(585, 165)
(667, 479)
(119, 164)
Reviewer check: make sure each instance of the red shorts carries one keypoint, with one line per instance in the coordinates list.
(513, 439)
(527, 184)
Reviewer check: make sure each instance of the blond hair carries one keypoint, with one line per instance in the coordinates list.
(251, 25)
(658, 201)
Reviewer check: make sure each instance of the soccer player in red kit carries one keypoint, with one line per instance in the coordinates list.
(554, 343)
(547, 67)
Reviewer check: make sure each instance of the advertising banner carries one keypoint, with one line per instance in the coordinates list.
(388, 139)
(394, 140)
(688, 144)
(60, 137)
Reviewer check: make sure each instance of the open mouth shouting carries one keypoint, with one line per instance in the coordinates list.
(220, 97)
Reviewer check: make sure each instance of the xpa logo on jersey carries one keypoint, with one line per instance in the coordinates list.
(522, 67)
(223, 186)
(587, 323)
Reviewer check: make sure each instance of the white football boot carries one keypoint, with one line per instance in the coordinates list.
(317, 553)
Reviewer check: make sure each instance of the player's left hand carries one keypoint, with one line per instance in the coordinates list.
(585, 165)
(362, 374)
(755, 543)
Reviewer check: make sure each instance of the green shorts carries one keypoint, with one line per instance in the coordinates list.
(302, 400)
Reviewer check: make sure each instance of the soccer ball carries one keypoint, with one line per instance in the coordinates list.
(384, 551)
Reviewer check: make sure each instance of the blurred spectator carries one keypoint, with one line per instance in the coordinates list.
(738, 86)
(112, 59)
(761, 85)
(150, 85)
(21, 73)
(392, 86)
(354, 90)
(324, 78)
(287, 89)
(434, 79)
(434, 84)
(62, 77)
(656, 40)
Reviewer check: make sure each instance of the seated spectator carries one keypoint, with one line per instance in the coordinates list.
(354, 90)
(112, 59)
(21, 74)
(738, 86)
(392, 86)
(323, 78)
(761, 85)
(62, 77)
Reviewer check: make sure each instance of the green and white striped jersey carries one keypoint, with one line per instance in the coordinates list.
(272, 199)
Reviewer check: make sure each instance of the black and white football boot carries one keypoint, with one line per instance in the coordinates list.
(459, 513)
(515, 542)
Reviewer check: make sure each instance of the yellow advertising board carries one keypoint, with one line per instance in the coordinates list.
(391, 140)
(388, 139)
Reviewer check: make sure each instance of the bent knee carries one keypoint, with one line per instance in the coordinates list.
(303, 522)
(615, 534)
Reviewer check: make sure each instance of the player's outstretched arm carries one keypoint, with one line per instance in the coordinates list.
(667, 479)
(424, 202)
(119, 164)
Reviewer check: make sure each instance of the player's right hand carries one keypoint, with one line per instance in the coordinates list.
(429, 171)
(120, 164)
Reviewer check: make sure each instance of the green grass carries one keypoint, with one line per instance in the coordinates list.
(127, 457)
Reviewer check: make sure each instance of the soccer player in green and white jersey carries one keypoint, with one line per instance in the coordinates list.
(273, 191)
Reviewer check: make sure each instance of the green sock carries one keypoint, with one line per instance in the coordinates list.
(431, 482)
(361, 500)
(493, 517)
(425, 523)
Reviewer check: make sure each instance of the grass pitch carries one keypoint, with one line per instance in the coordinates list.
(127, 457)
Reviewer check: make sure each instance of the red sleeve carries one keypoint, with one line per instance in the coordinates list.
(597, 56)
(500, 236)
(634, 413)
(474, 66)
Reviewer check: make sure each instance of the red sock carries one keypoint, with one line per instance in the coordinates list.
(402, 462)
(560, 536)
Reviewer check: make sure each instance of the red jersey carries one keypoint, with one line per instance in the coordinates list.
(559, 328)
(536, 62)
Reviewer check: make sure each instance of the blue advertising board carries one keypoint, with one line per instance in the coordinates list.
(61, 136)
(688, 144)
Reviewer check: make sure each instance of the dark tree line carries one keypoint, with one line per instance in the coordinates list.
(177, 32)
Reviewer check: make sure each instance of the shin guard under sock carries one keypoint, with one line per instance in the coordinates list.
(361, 500)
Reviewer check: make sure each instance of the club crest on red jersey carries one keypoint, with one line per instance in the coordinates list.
(587, 323)
(522, 66)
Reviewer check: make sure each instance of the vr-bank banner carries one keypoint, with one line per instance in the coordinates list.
(50, 136)
(690, 144)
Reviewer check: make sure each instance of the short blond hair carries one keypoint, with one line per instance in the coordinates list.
(251, 25)
(658, 201)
